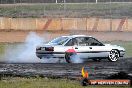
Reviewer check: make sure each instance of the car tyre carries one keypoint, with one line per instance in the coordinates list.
(113, 55)
(68, 57)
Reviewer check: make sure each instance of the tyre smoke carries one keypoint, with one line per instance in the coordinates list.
(24, 53)
(76, 59)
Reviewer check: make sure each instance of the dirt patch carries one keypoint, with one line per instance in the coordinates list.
(97, 70)
(19, 36)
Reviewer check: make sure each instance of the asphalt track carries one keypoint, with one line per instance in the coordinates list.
(96, 70)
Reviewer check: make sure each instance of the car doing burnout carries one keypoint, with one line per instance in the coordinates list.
(85, 47)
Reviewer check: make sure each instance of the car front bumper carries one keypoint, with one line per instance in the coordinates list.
(122, 53)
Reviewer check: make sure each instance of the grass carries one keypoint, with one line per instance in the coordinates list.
(2, 49)
(44, 83)
(114, 10)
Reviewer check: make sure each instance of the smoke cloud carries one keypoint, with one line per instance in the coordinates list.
(24, 53)
(76, 59)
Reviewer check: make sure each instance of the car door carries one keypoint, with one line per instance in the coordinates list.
(96, 48)
(81, 47)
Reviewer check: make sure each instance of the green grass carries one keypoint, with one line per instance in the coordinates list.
(106, 10)
(2, 49)
(128, 47)
(44, 83)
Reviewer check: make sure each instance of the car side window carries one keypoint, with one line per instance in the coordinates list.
(81, 41)
(69, 43)
(87, 41)
(93, 42)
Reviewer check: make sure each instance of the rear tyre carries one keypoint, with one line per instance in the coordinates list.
(68, 57)
(113, 55)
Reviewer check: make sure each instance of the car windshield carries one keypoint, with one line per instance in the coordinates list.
(59, 40)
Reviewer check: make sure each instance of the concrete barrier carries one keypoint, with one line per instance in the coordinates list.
(5, 23)
(89, 24)
(23, 24)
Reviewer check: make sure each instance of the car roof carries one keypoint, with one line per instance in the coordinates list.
(73, 36)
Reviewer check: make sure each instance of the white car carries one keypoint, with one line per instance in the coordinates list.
(85, 47)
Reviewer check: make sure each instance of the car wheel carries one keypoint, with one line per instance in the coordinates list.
(68, 57)
(97, 60)
(114, 55)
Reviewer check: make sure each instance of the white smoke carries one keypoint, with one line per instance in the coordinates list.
(25, 53)
(76, 59)
(52, 60)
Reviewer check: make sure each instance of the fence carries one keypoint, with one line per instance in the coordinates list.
(59, 1)
(88, 24)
